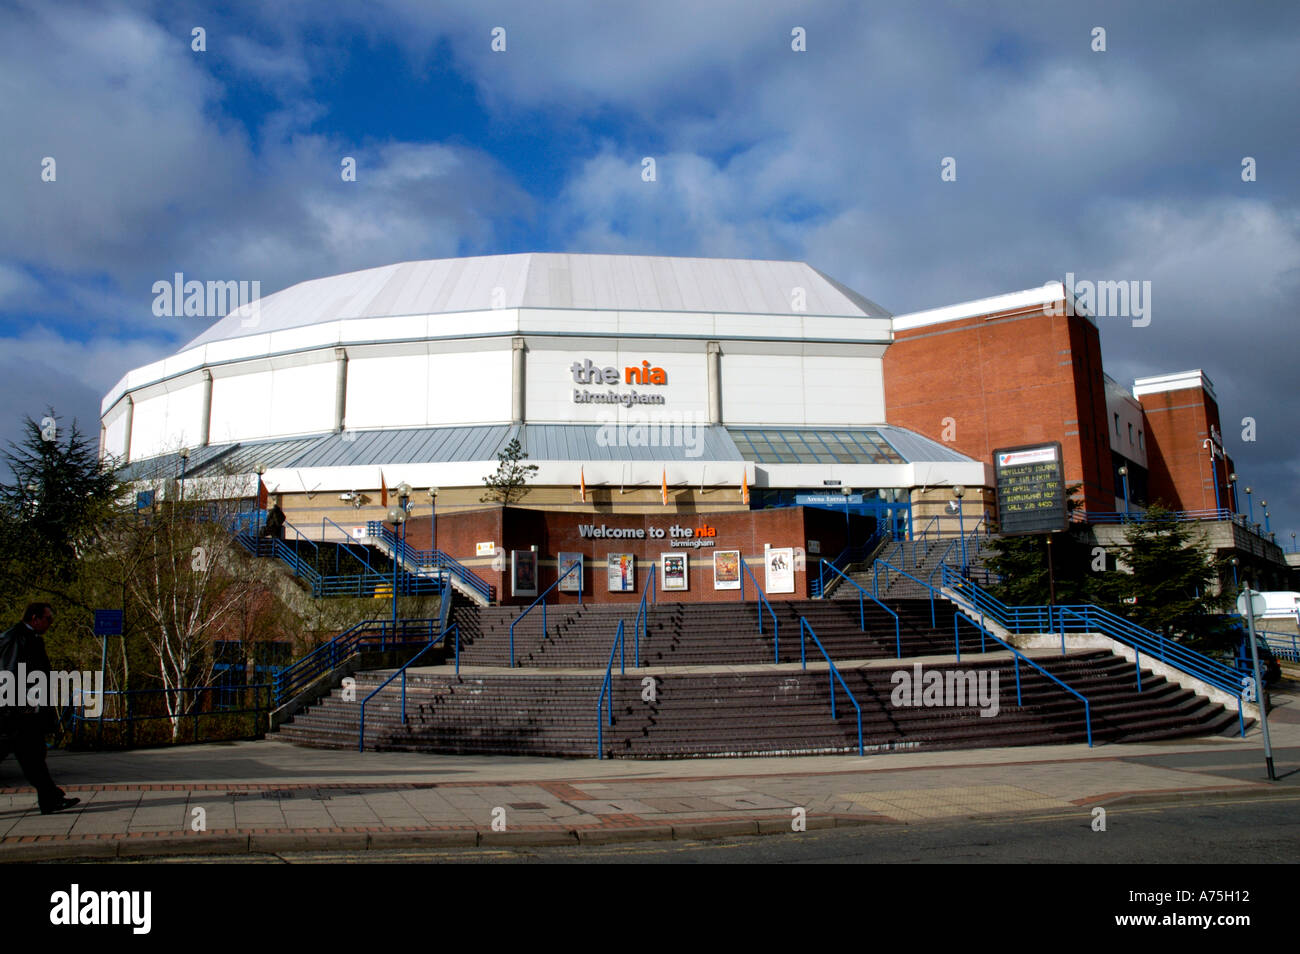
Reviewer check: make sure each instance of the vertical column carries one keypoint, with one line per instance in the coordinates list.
(517, 381)
(340, 388)
(714, 357)
(126, 439)
(205, 415)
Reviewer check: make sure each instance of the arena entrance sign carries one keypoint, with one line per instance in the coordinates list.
(1031, 489)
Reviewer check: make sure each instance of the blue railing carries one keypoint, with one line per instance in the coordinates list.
(863, 595)
(875, 582)
(643, 613)
(361, 729)
(834, 674)
(542, 599)
(760, 604)
(1281, 645)
(1019, 657)
(848, 555)
(345, 545)
(1093, 619)
(1137, 516)
(435, 560)
(326, 658)
(607, 688)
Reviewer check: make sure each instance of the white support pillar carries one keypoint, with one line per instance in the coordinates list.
(205, 415)
(340, 388)
(715, 382)
(517, 380)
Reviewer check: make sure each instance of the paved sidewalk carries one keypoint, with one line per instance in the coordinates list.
(270, 796)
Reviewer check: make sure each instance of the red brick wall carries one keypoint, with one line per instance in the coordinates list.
(1018, 378)
(1178, 422)
(555, 531)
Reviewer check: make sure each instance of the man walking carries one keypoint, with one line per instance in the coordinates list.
(23, 727)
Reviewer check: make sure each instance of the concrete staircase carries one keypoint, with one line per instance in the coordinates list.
(765, 711)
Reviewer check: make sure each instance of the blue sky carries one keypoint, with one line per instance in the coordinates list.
(224, 164)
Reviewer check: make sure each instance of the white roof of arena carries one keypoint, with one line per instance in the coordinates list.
(553, 280)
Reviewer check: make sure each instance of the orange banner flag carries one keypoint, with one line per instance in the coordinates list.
(582, 484)
(664, 488)
(744, 486)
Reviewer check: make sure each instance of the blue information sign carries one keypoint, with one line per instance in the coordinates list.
(108, 622)
(825, 500)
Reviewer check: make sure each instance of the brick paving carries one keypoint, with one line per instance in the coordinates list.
(269, 796)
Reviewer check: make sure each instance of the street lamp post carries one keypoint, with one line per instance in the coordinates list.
(433, 532)
(1293, 550)
(1234, 561)
(1264, 504)
(959, 492)
(397, 517)
(1250, 502)
(1123, 472)
(1232, 483)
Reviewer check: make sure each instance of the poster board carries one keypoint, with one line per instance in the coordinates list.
(726, 569)
(779, 562)
(673, 569)
(573, 582)
(523, 573)
(620, 571)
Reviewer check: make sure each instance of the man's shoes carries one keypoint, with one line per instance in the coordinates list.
(59, 806)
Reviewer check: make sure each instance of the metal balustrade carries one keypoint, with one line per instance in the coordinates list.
(834, 674)
(361, 727)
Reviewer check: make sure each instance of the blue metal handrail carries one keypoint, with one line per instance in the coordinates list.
(344, 545)
(846, 556)
(761, 602)
(1087, 707)
(643, 613)
(1094, 619)
(862, 611)
(1139, 516)
(329, 656)
(542, 599)
(922, 538)
(607, 686)
(361, 730)
(436, 560)
(805, 626)
(889, 566)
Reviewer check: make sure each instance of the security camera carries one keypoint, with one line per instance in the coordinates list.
(347, 496)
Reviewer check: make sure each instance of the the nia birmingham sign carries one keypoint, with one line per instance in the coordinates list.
(1031, 488)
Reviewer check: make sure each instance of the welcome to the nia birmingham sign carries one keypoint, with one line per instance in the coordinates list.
(1031, 489)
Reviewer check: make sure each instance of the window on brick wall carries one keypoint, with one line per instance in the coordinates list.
(1117, 425)
(1130, 435)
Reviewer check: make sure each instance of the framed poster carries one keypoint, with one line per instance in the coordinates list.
(780, 569)
(726, 569)
(621, 571)
(523, 573)
(673, 568)
(573, 582)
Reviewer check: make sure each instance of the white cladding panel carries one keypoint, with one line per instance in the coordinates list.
(550, 385)
(810, 390)
(471, 387)
(166, 421)
(115, 431)
(302, 399)
(241, 407)
(388, 391)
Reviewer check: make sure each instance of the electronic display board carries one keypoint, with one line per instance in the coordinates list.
(1031, 489)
